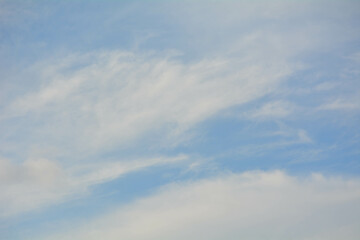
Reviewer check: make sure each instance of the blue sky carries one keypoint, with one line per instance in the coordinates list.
(179, 119)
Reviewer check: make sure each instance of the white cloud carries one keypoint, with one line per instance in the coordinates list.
(38, 183)
(284, 27)
(116, 97)
(34, 183)
(89, 174)
(271, 110)
(341, 104)
(303, 136)
(252, 205)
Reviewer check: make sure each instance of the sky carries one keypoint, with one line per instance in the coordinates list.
(160, 120)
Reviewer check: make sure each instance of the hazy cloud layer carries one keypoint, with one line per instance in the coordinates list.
(251, 205)
(91, 91)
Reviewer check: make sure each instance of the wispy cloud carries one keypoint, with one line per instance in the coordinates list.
(116, 97)
(39, 183)
(272, 110)
(238, 84)
(341, 104)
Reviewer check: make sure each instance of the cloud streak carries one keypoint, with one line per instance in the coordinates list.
(39, 183)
